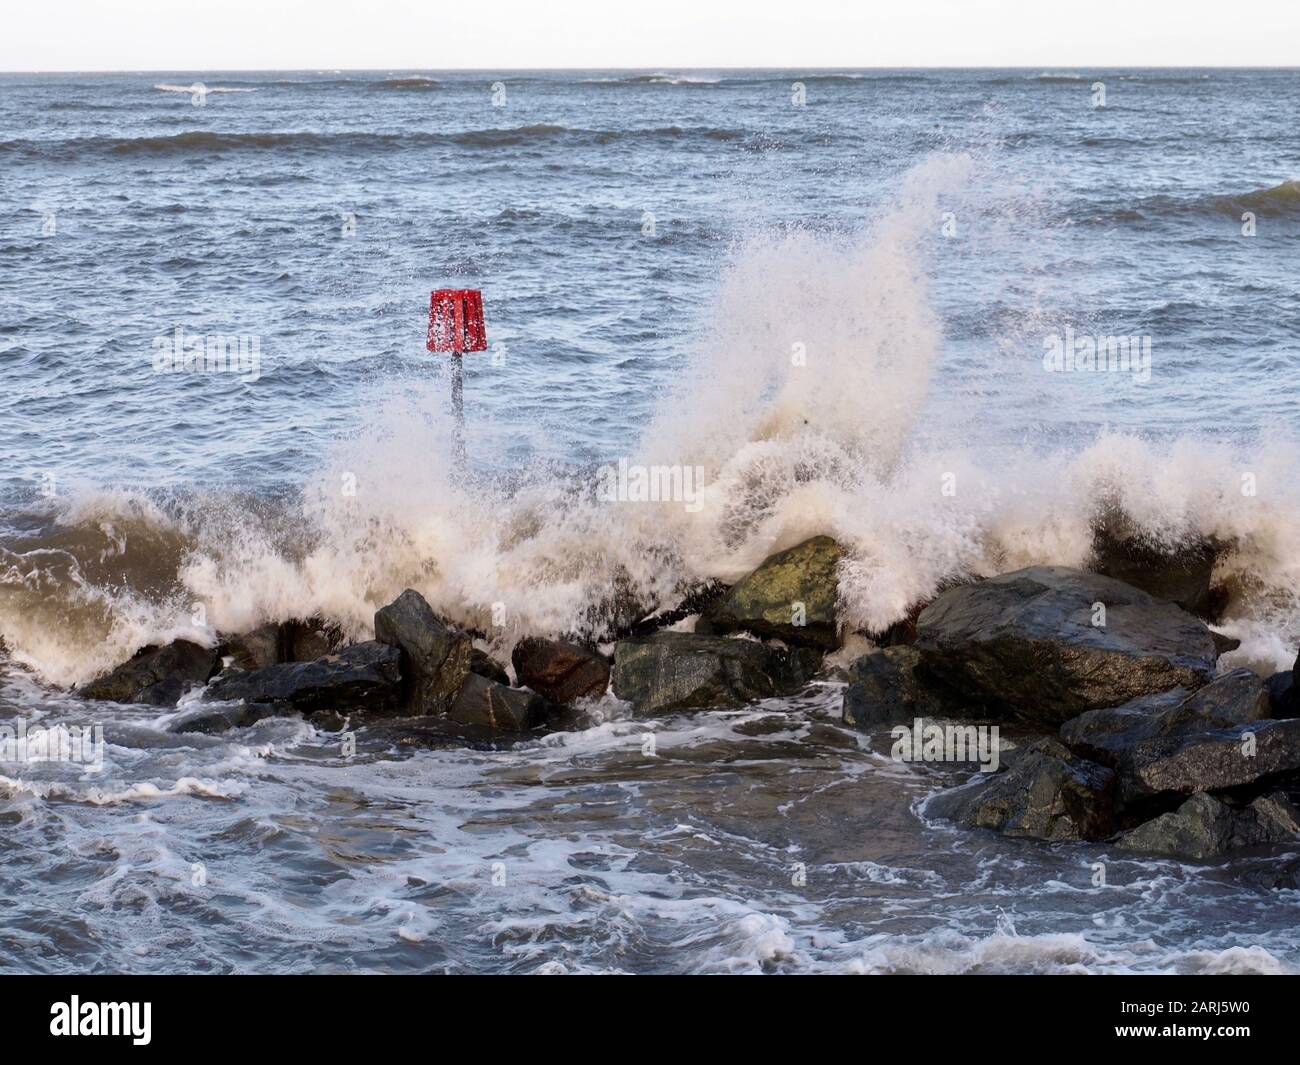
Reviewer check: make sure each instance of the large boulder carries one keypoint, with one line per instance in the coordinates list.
(792, 596)
(1034, 644)
(1179, 574)
(560, 671)
(435, 656)
(484, 702)
(884, 688)
(1106, 735)
(1166, 767)
(672, 671)
(1047, 793)
(158, 676)
(362, 679)
(1206, 827)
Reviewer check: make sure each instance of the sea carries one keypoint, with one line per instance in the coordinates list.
(954, 318)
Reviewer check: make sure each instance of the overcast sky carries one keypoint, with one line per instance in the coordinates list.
(189, 35)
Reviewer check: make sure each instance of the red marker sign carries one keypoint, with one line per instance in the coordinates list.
(456, 321)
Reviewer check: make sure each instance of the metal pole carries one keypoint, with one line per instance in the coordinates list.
(458, 409)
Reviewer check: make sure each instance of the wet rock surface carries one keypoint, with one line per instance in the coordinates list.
(364, 679)
(435, 657)
(158, 676)
(560, 671)
(1047, 793)
(685, 671)
(792, 596)
(1029, 644)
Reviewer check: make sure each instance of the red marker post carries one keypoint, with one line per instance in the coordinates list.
(455, 327)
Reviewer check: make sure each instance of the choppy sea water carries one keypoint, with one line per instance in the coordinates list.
(830, 291)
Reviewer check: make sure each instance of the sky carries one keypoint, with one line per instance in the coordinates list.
(186, 35)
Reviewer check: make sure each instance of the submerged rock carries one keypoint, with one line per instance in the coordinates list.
(1206, 827)
(1047, 643)
(672, 671)
(792, 596)
(560, 671)
(884, 688)
(484, 702)
(210, 720)
(1047, 793)
(1180, 575)
(435, 656)
(158, 676)
(362, 679)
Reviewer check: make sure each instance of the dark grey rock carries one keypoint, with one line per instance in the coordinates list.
(1046, 793)
(884, 688)
(210, 720)
(803, 578)
(435, 656)
(485, 665)
(1025, 645)
(256, 649)
(306, 639)
(1178, 574)
(672, 671)
(491, 705)
(362, 679)
(1236, 698)
(1168, 766)
(1206, 827)
(1282, 694)
(158, 676)
(560, 671)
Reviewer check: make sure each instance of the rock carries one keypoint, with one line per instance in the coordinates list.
(435, 656)
(1025, 644)
(306, 640)
(362, 679)
(485, 665)
(1199, 829)
(158, 676)
(1206, 827)
(560, 671)
(672, 671)
(1276, 876)
(1282, 694)
(1169, 766)
(1046, 793)
(1104, 735)
(257, 649)
(1223, 644)
(484, 702)
(791, 596)
(210, 720)
(883, 688)
(1236, 698)
(1180, 575)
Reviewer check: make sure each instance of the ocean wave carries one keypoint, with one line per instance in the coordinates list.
(1280, 199)
(198, 141)
(785, 456)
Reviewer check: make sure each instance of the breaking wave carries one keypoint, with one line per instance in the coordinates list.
(787, 450)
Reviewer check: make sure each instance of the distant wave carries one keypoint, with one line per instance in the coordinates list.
(198, 86)
(412, 82)
(1282, 199)
(208, 141)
